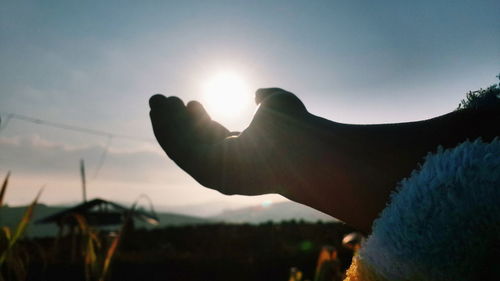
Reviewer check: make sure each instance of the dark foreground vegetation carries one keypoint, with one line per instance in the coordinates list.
(203, 252)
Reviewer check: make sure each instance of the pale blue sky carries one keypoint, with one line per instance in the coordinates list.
(95, 63)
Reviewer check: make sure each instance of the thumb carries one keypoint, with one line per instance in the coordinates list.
(279, 100)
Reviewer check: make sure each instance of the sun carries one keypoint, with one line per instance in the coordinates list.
(226, 95)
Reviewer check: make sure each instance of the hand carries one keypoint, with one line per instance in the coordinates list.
(232, 163)
(326, 165)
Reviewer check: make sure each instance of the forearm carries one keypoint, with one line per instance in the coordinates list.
(347, 171)
(376, 157)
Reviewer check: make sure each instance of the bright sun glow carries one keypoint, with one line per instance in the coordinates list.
(226, 95)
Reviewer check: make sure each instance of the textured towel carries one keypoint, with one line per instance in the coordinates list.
(443, 222)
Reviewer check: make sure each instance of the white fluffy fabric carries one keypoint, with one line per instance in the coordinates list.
(443, 223)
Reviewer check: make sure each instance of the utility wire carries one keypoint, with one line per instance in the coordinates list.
(108, 135)
(3, 124)
(71, 128)
(103, 157)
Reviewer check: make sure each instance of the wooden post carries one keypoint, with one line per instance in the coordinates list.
(82, 174)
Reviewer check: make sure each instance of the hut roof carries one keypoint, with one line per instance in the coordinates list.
(99, 212)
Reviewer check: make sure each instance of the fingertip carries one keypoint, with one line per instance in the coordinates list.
(160, 101)
(194, 105)
(174, 103)
(197, 110)
(164, 109)
(156, 100)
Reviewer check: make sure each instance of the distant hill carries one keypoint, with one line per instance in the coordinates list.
(276, 212)
(205, 209)
(170, 219)
(10, 216)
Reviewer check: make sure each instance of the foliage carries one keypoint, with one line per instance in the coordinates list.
(198, 252)
(13, 256)
(4, 188)
(482, 98)
(97, 250)
(96, 256)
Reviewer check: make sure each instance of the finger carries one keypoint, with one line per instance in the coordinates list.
(167, 113)
(159, 120)
(209, 131)
(197, 111)
(156, 101)
(171, 106)
(170, 120)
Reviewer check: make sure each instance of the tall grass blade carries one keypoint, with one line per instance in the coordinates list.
(89, 251)
(116, 241)
(6, 233)
(21, 227)
(28, 214)
(82, 223)
(4, 187)
(110, 254)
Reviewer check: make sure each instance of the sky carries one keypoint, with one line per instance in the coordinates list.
(94, 64)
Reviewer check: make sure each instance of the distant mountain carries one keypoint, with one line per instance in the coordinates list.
(205, 209)
(276, 212)
(170, 219)
(10, 216)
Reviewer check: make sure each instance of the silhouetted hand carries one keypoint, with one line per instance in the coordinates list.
(229, 162)
(347, 171)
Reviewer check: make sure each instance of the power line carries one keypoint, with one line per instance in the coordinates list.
(63, 126)
(103, 157)
(4, 124)
(108, 135)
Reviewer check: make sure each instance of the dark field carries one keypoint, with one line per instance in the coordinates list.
(203, 252)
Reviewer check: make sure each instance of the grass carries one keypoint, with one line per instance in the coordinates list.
(97, 258)
(96, 255)
(13, 257)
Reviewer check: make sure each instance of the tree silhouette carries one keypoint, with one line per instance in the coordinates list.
(489, 97)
